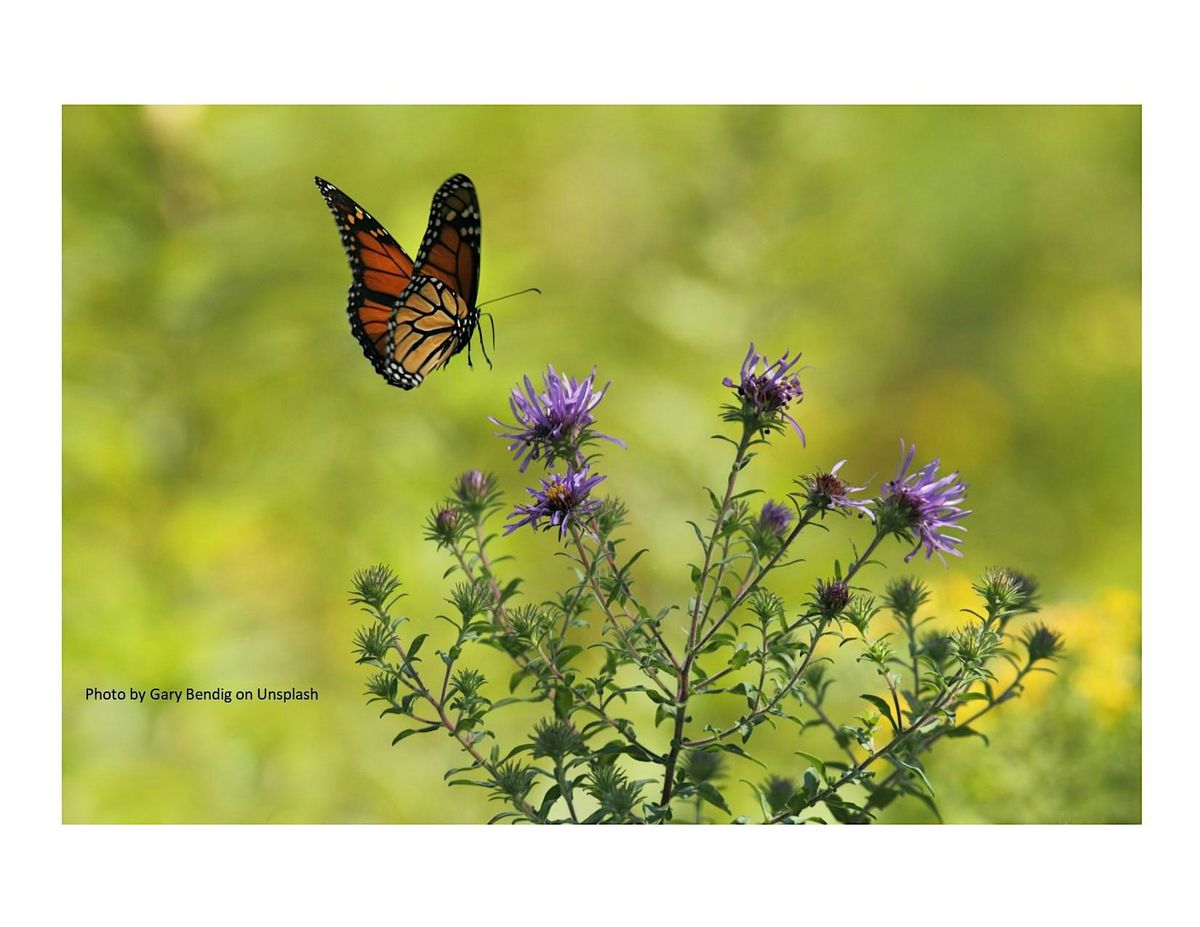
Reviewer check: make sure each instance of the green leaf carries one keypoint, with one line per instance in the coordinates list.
(817, 762)
(846, 812)
(415, 647)
(735, 749)
(965, 731)
(512, 700)
(564, 700)
(881, 798)
(925, 800)
(708, 792)
(762, 799)
(883, 706)
(811, 786)
(913, 767)
(509, 590)
(632, 560)
(414, 730)
(567, 654)
(552, 795)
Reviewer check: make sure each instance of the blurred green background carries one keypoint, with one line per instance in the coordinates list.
(967, 278)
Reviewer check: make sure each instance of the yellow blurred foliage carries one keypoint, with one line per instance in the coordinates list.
(1102, 638)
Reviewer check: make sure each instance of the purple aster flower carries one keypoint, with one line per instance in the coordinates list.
(832, 596)
(555, 423)
(775, 518)
(920, 504)
(827, 492)
(766, 393)
(562, 499)
(444, 525)
(475, 491)
(475, 484)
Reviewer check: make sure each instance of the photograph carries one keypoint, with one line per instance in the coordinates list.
(601, 464)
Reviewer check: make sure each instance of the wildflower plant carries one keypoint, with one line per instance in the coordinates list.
(649, 710)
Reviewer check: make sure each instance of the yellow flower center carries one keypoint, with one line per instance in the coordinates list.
(558, 494)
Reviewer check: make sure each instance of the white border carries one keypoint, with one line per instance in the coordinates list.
(618, 52)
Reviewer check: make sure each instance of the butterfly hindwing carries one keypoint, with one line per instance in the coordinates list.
(431, 324)
(411, 317)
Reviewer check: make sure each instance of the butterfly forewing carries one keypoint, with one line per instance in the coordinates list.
(376, 259)
(450, 250)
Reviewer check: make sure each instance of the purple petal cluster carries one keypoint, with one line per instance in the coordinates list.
(832, 596)
(775, 518)
(562, 499)
(930, 506)
(553, 423)
(446, 520)
(475, 484)
(827, 491)
(768, 391)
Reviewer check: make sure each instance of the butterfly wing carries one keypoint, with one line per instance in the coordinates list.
(381, 269)
(429, 324)
(450, 250)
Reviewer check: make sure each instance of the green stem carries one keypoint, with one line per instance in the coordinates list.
(683, 691)
(756, 712)
(414, 682)
(560, 776)
(633, 652)
(748, 587)
(855, 771)
(546, 660)
(942, 731)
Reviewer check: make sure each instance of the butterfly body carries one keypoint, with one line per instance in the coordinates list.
(411, 316)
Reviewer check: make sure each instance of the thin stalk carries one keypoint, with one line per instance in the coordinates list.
(610, 559)
(587, 564)
(758, 713)
(502, 618)
(413, 681)
(855, 771)
(749, 585)
(561, 777)
(761, 712)
(942, 731)
(683, 691)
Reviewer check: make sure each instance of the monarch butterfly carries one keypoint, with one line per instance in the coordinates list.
(411, 317)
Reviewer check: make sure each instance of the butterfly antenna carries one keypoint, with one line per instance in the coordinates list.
(531, 289)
